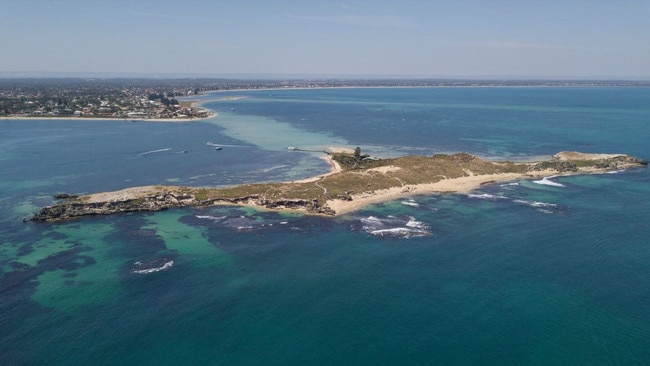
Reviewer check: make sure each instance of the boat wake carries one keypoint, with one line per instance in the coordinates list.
(154, 151)
(267, 170)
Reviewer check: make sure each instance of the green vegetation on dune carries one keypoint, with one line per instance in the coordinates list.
(362, 173)
(359, 174)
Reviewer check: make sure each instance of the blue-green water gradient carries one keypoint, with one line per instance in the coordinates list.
(512, 274)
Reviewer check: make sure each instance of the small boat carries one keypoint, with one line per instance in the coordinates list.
(218, 148)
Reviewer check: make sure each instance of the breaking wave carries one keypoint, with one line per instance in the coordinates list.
(411, 203)
(208, 217)
(486, 196)
(394, 227)
(547, 182)
(243, 223)
(544, 207)
(154, 265)
(535, 203)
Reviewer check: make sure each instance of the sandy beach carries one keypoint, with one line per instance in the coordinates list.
(335, 167)
(455, 185)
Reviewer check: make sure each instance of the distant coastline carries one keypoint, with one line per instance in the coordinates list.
(155, 100)
(116, 119)
(207, 114)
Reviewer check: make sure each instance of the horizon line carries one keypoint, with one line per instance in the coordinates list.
(284, 76)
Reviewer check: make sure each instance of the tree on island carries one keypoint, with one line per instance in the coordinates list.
(357, 157)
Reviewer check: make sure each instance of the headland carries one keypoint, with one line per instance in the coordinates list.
(355, 181)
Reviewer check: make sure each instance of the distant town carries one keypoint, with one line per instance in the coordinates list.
(142, 98)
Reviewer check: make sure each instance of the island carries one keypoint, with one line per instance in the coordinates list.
(355, 181)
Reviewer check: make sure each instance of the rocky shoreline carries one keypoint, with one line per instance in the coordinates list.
(171, 199)
(338, 193)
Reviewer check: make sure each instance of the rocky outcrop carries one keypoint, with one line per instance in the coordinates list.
(619, 162)
(559, 166)
(571, 162)
(165, 200)
(65, 196)
(310, 206)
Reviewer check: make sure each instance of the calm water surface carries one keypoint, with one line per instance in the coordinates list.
(513, 274)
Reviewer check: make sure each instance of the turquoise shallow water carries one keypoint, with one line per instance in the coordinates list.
(512, 274)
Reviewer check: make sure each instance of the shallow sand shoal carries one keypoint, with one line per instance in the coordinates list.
(335, 167)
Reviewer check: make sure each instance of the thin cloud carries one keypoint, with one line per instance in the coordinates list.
(527, 45)
(163, 16)
(373, 21)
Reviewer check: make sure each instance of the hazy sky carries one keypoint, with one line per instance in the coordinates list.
(444, 38)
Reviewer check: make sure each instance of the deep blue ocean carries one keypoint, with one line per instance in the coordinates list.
(512, 274)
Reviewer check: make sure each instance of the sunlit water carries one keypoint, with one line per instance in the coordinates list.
(542, 272)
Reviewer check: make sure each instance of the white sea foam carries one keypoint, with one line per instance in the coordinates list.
(542, 204)
(371, 220)
(416, 224)
(535, 203)
(411, 203)
(165, 266)
(397, 231)
(395, 227)
(486, 196)
(547, 182)
(208, 217)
